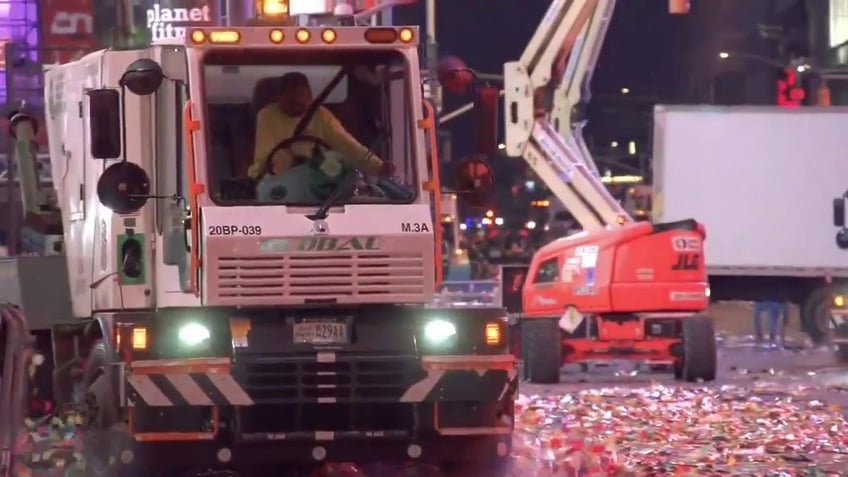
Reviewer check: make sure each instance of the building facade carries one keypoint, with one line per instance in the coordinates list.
(829, 35)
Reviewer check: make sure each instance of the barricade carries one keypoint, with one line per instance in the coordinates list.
(15, 351)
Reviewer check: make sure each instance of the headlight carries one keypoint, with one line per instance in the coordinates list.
(439, 331)
(193, 334)
(839, 301)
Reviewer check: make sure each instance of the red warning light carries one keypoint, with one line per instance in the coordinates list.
(789, 93)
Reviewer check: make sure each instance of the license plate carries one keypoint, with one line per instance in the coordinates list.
(318, 333)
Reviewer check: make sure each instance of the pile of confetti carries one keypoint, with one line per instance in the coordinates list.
(49, 447)
(756, 429)
(680, 431)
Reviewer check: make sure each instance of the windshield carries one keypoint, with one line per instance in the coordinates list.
(269, 144)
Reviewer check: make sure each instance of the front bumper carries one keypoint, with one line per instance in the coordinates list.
(659, 350)
(253, 406)
(280, 454)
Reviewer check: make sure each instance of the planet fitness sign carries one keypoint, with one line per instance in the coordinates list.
(170, 23)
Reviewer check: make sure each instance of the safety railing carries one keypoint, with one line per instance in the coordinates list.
(15, 354)
(469, 293)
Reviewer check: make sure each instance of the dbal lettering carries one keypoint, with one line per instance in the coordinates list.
(336, 244)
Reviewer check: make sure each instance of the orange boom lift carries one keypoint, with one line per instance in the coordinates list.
(620, 288)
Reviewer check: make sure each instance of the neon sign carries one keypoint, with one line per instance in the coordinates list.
(170, 23)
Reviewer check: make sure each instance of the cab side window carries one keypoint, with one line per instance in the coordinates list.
(548, 271)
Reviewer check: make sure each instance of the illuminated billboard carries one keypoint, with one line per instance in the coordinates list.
(838, 22)
(166, 21)
(67, 30)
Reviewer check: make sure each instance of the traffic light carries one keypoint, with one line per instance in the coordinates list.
(790, 93)
(678, 7)
(486, 102)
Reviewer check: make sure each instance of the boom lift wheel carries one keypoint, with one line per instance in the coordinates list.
(699, 350)
(101, 442)
(678, 369)
(541, 342)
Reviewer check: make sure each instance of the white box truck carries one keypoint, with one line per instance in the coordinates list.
(763, 181)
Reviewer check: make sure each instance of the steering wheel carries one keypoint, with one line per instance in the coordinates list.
(319, 183)
(317, 156)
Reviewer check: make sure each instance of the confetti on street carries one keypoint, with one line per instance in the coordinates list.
(49, 447)
(675, 430)
(773, 413)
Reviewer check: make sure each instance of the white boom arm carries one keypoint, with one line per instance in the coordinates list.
(572, 31)
(573, 92)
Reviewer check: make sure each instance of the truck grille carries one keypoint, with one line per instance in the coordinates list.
(320, 276)
(283, 380)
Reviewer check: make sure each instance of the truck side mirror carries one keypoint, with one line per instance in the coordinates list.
(475, 182)
(839, 212)
(143, 77)
(104, 117)
(123, 187)
(486, 101)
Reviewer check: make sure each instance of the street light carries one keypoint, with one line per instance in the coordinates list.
(724, 55)
(799, 65)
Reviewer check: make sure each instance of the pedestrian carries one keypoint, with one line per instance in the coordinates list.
(785, 309)
(773, 309)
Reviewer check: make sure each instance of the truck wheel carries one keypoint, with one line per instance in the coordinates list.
(699, 349)
(542, 346)
(815, 316)
(841, 331)
(100, 414)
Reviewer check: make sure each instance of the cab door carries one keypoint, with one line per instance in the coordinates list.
(543, 293)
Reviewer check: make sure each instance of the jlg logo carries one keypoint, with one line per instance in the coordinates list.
(686, 244)
(687, 262)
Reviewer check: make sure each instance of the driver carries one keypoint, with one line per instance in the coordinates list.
(277, 122)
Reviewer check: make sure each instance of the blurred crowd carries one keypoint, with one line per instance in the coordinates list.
(487, 249)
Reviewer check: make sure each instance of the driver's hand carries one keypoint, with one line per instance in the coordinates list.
(387, 169)
(282, 161)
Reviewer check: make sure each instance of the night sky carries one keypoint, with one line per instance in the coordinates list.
(643, 51)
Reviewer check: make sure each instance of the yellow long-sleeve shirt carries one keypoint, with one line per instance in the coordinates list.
(273, 126)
